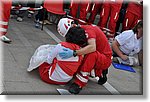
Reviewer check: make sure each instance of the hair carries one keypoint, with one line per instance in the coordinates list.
(137, 26)
(77, 36)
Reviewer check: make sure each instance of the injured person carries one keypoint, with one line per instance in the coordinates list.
(52, 68)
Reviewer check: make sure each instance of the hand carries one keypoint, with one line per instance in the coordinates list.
(66, 53)
(124, 57)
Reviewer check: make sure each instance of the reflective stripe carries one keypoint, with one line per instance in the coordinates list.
(71, 3)
(3, 23)
(126, 22)
(103, 12)
(87, 7)
(138, 21)
(3, 30)
(81, 78)
(93, 7)
(84, 73)
(93, 73)
(116, 15)
(109, 34)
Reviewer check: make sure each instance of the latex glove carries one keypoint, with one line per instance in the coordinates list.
(66, 53)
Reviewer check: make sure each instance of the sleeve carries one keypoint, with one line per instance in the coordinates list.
(89, 34)
(124, 37)
(53, 54)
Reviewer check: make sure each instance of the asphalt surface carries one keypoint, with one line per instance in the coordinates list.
(15, 60)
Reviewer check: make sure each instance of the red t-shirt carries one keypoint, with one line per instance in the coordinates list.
(102, 44)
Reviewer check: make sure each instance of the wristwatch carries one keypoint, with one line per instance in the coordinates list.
(74, 53)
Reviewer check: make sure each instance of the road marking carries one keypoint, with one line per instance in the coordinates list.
(51, 34)
(110, 88)
(63, 92)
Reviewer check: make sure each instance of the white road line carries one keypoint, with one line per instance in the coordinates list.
(111, 89)
(51, 34)
(63, 92)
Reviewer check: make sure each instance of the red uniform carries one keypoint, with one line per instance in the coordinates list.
(84, 8)
(95, 8)
(110, 8)
(5, 7)
(54, 7)
(60, 71)
(133, 14)
(98, 60)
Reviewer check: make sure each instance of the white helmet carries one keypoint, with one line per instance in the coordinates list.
(64, 25)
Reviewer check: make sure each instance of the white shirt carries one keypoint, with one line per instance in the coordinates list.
(129, 44)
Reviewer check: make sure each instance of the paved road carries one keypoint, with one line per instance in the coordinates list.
(15, 60)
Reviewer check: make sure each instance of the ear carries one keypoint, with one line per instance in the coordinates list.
(73, 25)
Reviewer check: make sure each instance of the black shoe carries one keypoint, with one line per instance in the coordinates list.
(102, 80)
(74, 88)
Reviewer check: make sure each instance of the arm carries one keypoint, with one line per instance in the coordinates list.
(115, 47)
(67, 53)
(91, 47)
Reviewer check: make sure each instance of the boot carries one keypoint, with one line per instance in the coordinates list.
(102, 79)
(74, 88)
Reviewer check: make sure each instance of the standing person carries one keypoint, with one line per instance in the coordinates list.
(134, 13)
(110, 11)
(96, 7)
(121, 16)
(40, 16)
(82, 12)
(97, 57)
(5, 7)
(128, 44)
(16, 10)
(56, 70)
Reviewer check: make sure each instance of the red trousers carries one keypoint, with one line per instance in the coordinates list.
(96, 61)
(44, 74)
(95, 8)
(130, 20)
(5, 7)
(84, 8)
(110, 11)
(133, 14)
